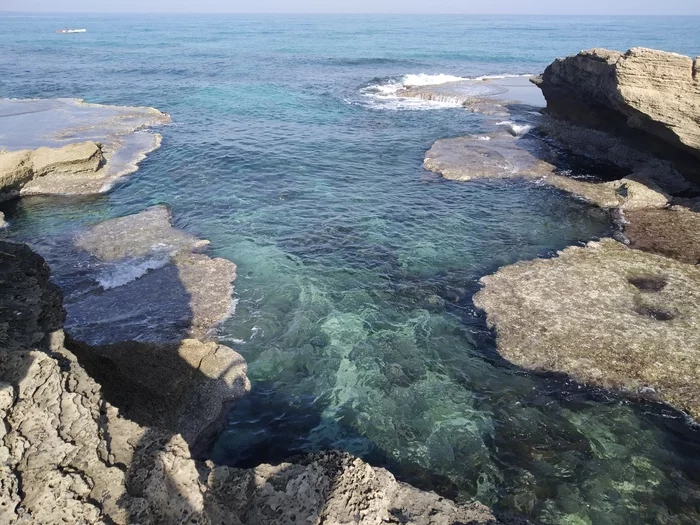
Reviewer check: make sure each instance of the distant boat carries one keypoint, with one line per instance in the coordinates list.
(71, 31)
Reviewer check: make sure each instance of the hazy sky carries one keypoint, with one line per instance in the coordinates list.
(641, 7)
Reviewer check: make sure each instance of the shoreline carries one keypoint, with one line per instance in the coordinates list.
(224, 473)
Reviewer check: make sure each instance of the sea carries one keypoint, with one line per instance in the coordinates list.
(290, 151)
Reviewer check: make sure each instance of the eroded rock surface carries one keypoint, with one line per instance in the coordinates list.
(648, 90)
(604, 314)
(507, 156)
(141, 259)
(68, 146)
(68, 456)
(673, 232)
(21, 171)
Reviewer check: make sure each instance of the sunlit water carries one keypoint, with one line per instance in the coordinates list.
(357, 267)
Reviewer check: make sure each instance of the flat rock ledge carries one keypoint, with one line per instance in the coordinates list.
(67, 455)
(504, 156)
(607, 316)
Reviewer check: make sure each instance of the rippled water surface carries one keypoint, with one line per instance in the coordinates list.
(356, 267)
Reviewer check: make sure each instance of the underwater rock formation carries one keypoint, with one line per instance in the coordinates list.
(68, 455)
(604, 314)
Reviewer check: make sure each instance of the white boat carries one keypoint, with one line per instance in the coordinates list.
(71, 31)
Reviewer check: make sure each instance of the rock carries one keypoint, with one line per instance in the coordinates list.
(142, 258)
(20, 170)
(68, 456)
(652, 91)
(56, 150)
(606, 315)
(3, 222)
(673, 232)
(184, 387)
(138, 235)
(505, 156)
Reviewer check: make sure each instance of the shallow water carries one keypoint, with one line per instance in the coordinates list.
(355, 266)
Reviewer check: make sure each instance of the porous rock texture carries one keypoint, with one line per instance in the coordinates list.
(653, 91)
(67, 455)
(18, 169)
(606, 315)
(673, 232)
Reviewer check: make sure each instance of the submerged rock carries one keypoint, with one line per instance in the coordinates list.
(142, 259)
(606, 315)
(655, 92)
(71, 147)
(67, 455)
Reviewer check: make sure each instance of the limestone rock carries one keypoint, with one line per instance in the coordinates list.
(649, 90)
(673, 232)
(606, 315)
(18, 169)
(505, 156)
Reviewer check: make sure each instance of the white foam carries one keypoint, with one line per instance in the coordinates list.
(428, 80)
(499, 77)
(125, 272)
(515, 129)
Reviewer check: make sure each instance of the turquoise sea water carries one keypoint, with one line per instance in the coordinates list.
(356, 267)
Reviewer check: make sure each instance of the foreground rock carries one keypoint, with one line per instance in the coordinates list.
(71, 147)
(68, 456)
(673, 232)
(655, 92)
(606, 315)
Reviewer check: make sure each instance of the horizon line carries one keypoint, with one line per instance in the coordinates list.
(410, 13)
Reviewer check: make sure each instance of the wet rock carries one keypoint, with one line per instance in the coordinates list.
(506, 156)
(644, 89)
(146, 259)
(673, 232)
(606, 315)
(27, 171)
(71, 147)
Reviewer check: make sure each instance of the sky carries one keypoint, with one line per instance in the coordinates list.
(602, 7)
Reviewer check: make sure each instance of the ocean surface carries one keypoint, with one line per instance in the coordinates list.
(356, 267)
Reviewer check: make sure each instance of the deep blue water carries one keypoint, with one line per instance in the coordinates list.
(355, 266)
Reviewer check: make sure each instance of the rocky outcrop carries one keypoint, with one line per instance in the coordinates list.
(506, 156)
(71, 147)
(140, 259)
(606, 315)
(655, 92)
(67, 455)
(18, 169)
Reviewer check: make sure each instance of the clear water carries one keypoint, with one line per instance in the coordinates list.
(356, 267)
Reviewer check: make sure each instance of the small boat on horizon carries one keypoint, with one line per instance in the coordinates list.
(71, 31)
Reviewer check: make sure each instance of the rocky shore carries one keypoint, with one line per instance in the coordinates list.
(106, 421)
(69, 454)
(618, 315)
